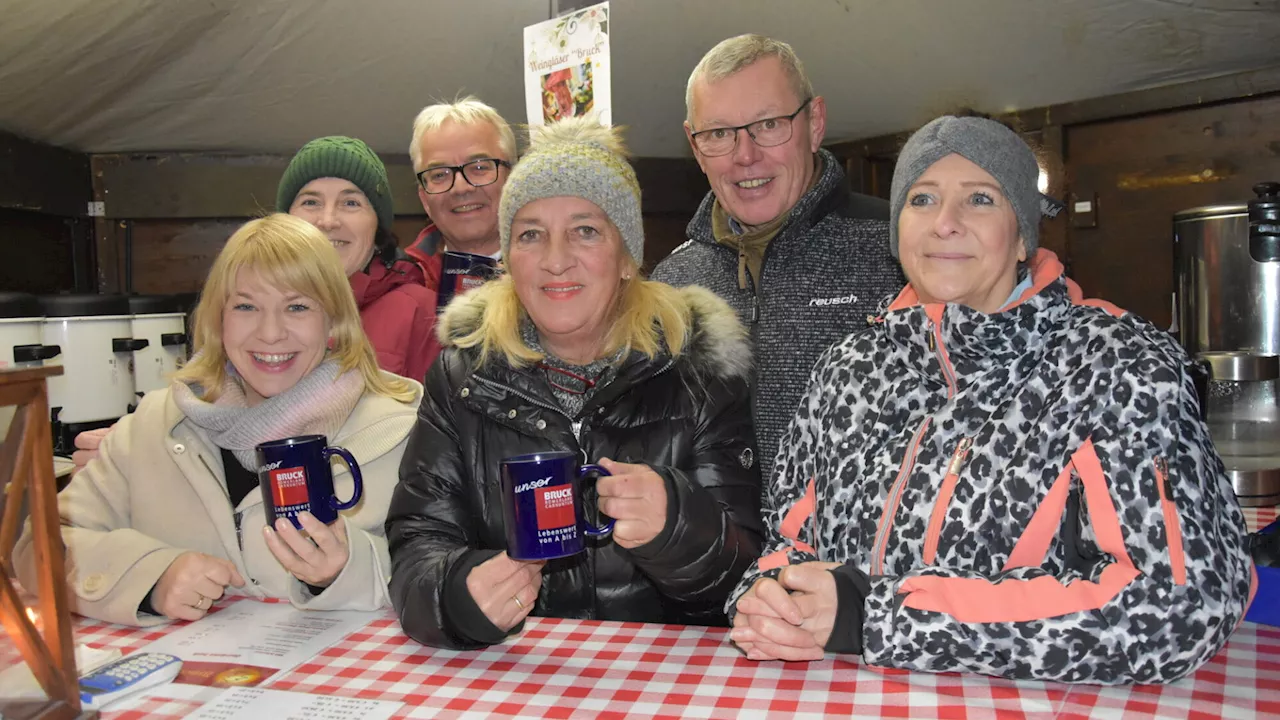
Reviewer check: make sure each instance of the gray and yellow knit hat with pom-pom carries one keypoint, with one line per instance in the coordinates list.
(576, 157)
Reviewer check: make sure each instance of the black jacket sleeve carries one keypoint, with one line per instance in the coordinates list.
(428, 528)
(852, 586)
(713, 531)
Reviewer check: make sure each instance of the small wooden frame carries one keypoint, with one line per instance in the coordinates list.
(26, 464)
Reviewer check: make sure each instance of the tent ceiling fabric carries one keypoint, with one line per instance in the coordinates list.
(268, 75)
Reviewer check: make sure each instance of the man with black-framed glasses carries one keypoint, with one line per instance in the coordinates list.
(462, 153)
(780, 236)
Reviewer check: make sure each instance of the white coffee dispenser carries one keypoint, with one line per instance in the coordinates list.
(96, 388)
(21, 324)
(161, 321)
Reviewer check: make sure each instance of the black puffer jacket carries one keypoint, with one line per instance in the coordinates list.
(686, 417)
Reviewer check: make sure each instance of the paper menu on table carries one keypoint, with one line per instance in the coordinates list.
(248, 641)
(254, 703)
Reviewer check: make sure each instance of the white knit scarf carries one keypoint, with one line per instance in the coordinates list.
(317, 405)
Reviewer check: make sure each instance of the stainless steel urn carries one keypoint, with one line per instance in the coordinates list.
(1228, 315)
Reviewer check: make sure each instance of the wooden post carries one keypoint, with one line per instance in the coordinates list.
(29, 466)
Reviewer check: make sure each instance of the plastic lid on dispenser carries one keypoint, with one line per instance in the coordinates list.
(157, 304)
(20, 305)
(84, 305)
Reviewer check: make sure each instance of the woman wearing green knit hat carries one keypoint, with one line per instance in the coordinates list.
(340, 185)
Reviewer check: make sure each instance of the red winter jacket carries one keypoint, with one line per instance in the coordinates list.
(398, 313)
(426, 251)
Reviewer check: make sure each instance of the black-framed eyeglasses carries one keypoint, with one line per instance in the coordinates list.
(714, 142)
(480, 172)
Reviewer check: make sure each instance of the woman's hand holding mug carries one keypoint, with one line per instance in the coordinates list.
(296, 481)
(317, 561)
(505, 590)
(636, 497)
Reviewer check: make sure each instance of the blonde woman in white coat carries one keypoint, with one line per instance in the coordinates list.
(169, 517)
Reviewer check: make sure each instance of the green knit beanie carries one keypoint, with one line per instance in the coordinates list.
(338, 157)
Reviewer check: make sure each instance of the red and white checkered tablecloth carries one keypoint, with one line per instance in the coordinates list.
(1258, 518)
(573, 668)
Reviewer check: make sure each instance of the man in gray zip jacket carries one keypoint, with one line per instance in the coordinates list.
(780, 236)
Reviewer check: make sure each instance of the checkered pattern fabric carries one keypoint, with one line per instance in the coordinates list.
(156, 707)
(1259, 518)
(573, 668)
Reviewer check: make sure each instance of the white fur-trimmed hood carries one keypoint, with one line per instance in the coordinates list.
(717, 343)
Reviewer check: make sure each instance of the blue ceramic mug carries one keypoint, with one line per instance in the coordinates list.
(294, 475)
(542, 505)
(459, 272)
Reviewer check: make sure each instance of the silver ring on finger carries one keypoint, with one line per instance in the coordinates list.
(519, 604)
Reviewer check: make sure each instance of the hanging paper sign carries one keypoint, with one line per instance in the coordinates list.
(567, 67)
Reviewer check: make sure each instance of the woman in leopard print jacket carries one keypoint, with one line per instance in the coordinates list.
(997, 476)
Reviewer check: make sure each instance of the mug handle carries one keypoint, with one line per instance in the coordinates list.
(592, 530)
(355, 476)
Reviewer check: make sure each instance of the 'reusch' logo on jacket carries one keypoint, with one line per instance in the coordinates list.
(842, 300)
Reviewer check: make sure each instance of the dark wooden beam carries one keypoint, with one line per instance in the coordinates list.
(43, 178)
(105, 247)
(1209, 91)
(1223, 88)
(193, 185)
(196, 185)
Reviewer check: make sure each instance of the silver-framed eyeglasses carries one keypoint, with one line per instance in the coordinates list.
(714, 142)
(479, 172)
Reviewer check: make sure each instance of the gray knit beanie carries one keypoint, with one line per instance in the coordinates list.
(576, 157)
(985, 143)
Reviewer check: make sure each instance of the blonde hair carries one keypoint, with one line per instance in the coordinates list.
(732, 55)
(465, 111)
(650, 316)
(287, 252)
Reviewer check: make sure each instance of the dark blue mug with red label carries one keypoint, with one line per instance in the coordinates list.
(459, 272)
(542, 505)
(294, 475)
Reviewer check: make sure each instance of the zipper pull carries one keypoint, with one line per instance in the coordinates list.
(962, 452)
(933, 345)
(1162, 467)
(755, 308)
(576, 427)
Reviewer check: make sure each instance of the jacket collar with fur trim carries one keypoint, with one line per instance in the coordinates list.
(717, 344)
